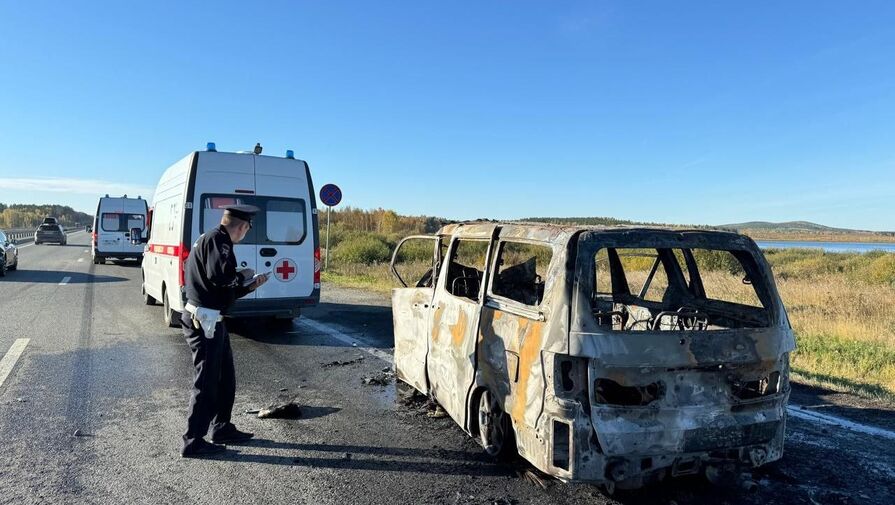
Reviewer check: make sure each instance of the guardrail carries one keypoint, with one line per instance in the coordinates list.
(25, 236)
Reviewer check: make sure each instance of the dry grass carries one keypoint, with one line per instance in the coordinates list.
(845, 333)
(376, 277)
(819, 236)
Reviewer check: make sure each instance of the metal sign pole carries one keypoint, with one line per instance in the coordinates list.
(329, 210)
(330, 195)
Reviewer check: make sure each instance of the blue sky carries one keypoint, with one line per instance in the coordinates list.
(709, 112)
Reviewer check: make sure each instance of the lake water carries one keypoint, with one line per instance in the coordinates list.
(860, 247)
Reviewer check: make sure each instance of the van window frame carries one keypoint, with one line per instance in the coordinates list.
(452, 248)
(259, 223)
(510, 305)
(591, 242)
(102, 224)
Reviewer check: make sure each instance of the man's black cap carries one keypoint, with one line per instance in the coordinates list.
(244, 212)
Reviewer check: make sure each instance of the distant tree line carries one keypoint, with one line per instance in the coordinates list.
(15, 216)
(383, 221)
(611, 221)
(369, 236)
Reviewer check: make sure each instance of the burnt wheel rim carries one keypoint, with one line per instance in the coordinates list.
(492, 424)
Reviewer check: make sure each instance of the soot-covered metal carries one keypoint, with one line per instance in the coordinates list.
(606, 355)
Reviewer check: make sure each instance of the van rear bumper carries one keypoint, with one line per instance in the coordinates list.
(273, 307)
(119, 255)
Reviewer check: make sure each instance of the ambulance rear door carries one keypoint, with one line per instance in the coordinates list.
(284, 227)
(226, 179)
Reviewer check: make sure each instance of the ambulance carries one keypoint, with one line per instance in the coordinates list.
(284, 239)
(119, 228)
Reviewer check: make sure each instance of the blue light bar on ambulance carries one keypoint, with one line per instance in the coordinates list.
(289, 154)
(210, 147)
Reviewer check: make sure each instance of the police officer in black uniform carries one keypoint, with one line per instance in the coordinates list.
(212, 282)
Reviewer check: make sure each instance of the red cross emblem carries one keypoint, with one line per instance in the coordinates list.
(285, 268)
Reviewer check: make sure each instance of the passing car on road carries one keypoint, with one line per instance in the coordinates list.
(9, 254)
(50, 233)
(614, 356)
(119, 229)
(190, 200)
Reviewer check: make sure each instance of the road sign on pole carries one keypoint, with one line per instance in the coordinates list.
(330, 195)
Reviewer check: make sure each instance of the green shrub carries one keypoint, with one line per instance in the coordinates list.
(417, 251)
(880, 270)
(362, 248)
(711, 260)
(875, 267)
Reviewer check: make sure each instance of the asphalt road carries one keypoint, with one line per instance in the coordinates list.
(93, 408)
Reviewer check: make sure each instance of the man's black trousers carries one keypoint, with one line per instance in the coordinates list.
(214, 387)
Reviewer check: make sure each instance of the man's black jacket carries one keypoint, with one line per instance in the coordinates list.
(211, 278)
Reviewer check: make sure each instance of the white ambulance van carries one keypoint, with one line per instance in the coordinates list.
(117, 218)
(284, 238)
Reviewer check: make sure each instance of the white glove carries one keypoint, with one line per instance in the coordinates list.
(208, 319)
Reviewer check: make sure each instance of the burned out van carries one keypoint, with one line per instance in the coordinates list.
(607, 355)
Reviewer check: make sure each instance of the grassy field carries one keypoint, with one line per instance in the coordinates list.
(819, 236)
(841, 305)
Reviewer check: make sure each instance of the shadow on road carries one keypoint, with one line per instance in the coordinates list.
(311, 412)
(872, 411)
(371, 324)
(361, 457)
(123, 263)
(56, 276)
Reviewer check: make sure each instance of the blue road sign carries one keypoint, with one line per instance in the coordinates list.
(330, 195)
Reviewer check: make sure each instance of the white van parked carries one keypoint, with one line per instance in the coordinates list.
(284, 240)
(117, 218)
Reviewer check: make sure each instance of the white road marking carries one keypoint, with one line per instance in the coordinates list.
(64, 281)
(11, 357)
(346, 339)
(80, 260)
(817, 417)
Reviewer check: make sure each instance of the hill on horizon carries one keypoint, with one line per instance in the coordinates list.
(797, 227)
(786, 227)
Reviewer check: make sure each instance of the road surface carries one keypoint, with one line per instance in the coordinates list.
(95, 387)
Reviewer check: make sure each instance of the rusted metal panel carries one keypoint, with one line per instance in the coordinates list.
(411, 317)
(451, 364)
(511, 362)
